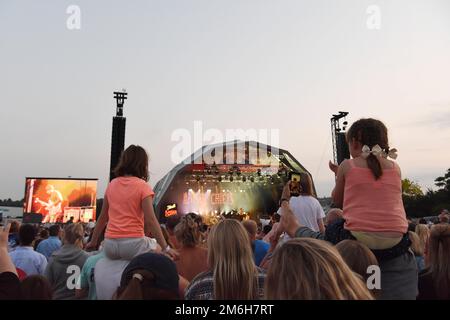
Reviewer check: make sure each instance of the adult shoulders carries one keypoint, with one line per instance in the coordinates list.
(9, 286)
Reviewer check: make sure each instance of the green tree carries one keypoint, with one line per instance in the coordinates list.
(444, 181)
(411, 188)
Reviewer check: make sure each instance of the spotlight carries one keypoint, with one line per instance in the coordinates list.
(231, 179)
(219, 179)
(244, 179)
(252, 179)
(258, 172)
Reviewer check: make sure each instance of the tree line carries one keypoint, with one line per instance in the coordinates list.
(430, 203)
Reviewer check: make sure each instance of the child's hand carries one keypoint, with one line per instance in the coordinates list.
(91, 246)
(286, 194)
(172, 253)
(333, 167)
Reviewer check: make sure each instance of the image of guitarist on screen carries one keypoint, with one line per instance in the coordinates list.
(53, 205)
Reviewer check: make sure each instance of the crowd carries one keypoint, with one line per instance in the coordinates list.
(365, 248)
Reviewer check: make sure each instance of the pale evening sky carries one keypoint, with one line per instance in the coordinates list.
(286, 64)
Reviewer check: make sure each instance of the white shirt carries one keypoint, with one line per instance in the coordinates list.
(308, 210)
(28, 260)
(107, 275)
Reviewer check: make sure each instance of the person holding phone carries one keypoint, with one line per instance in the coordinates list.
(305, 206)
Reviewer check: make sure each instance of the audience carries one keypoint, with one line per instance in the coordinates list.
(9, 280)
(333, 215)
(86, 282)
(149, 276)
(53, 243)
(13, 237)
(171, 223)
(434, 281)
(423, 232)
(443, 217)
(36, 287)
(193, 259)
(305, 207)
(127, 211)
(66, 263)
(418, 249)
(232, 272)
(259, 247)
(107, 277)
(310, 269)
(43, 235)
(359, 258)
(24, 257)
(305, 257)
(265, 231)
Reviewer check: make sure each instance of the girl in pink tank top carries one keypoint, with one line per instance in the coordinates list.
(369, 188)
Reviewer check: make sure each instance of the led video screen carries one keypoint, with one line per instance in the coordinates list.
(55, 200)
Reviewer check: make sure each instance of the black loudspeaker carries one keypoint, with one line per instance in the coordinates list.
(32, 218)
(117, 143)
(342, 147)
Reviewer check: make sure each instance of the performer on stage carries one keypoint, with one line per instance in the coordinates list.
(53, 205)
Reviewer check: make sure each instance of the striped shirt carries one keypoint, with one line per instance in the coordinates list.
(202, 286)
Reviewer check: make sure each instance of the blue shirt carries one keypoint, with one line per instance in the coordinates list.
(261, 248)
(28, 260)
(48, 246)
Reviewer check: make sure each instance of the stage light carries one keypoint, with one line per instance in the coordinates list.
(258, 172)
(190, 190)
(252, 179)
(219, 179)
(244, 179)
(231, 179)
(223, 190)
(209, 190)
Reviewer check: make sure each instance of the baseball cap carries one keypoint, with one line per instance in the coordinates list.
(164, 270)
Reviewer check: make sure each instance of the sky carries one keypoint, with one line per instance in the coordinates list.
(248, 64)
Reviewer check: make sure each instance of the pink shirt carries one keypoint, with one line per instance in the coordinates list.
(374, 205)
(126, 218)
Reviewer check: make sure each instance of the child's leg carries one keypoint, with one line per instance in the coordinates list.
(128, 248)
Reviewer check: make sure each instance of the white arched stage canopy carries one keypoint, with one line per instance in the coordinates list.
(227, 179)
